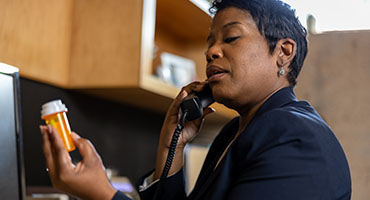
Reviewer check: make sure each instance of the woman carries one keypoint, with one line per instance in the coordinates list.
(278, 148)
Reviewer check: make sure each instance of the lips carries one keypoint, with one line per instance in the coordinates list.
(214, 72)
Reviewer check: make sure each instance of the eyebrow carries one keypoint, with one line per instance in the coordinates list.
(225, 26)
(230, 24)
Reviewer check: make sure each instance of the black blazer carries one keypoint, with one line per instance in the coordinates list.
(286, 152)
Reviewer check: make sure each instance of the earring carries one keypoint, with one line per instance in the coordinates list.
(281, 71)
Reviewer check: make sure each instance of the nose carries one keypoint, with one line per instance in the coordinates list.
(213, 52)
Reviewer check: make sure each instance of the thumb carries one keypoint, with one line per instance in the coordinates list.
(206, 111)
(86, 149)
(75, 136)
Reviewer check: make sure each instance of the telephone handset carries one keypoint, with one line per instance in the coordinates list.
(191, 109)
(194, 106)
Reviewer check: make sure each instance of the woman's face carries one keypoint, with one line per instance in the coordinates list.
(240, 69)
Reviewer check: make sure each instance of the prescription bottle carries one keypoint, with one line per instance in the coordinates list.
(54, 114)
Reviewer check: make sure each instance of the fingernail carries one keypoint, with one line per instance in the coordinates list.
(78, 136)
(183, 94)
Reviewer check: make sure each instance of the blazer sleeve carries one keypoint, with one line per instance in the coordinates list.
(120, 196)
(173, 187)
(287, 159)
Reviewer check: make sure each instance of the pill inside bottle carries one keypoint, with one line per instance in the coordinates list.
(54, 114)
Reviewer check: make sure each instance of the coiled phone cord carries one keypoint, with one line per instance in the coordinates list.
(170, 155)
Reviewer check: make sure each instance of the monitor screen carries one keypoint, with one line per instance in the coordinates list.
(11, 159)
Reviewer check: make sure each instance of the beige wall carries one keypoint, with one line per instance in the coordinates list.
(194, 158)
(335, 79)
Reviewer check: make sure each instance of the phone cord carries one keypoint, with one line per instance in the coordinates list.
(170, 155)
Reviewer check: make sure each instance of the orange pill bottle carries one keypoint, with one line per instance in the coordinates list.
(54, 113)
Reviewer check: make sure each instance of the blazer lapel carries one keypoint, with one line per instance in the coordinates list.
(208, 171)
(208, 180)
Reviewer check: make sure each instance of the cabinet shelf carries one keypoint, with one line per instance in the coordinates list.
(183, 19)
(154, 95)
(105, 48)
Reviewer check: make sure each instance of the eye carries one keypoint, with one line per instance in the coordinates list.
(231, 39)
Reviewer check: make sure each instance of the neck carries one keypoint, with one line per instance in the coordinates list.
(249, 112)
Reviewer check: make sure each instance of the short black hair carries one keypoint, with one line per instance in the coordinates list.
(275, 20)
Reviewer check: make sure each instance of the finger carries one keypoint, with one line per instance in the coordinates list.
(47, 149)
(62, 158)
(55, 139)
(75, 136)
(195, 86)
(185, 91)
(174, 108)
(206, 111)
(86, 148)
(87, 151)
(198, 87)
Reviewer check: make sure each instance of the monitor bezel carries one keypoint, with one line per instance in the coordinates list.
(14, 73)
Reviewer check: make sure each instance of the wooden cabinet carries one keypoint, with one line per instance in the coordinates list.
(105, 47)
(35, 37)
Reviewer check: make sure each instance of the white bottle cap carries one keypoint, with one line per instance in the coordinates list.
(52, 107)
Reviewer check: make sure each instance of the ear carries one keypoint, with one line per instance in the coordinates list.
(286, 50)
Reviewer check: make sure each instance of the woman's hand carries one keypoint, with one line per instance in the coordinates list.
(87, 179)
(172, 118)
(187, 134)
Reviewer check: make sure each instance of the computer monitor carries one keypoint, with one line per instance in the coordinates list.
(12, 185)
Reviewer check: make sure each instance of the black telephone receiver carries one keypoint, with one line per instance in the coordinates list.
(194, 106)
(191, 108)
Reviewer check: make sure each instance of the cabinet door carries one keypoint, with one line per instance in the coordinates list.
(35, 37)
